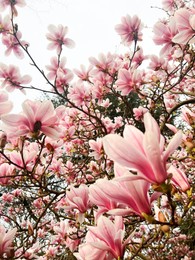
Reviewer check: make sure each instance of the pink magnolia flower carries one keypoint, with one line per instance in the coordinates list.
(57, 37)
(79, 94)
(98, 196)
(6, 173)
(139, 112)
(128, 81)
(104, 241)
(78, 198)
(12, 45)
(164, 34)
(6, 239)
(63, 78)
(142, 152)
(36, 117)
(5, 25)
(5, 104)
(130, 29)
(179, 178)
(127, 197)
(185, 21)
(97, 148)
(55, 66)
(10, 3)
(168, 5)
(12, 78)
(104, 62)
(26, 160)
(83, 73)
(188, 115)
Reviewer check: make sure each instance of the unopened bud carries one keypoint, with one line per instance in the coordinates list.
(165, 228)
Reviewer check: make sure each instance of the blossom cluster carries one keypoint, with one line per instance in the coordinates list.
(105, 168)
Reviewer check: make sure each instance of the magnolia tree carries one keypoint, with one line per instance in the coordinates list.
(108, 173)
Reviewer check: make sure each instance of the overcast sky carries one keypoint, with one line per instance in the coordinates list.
(91, 25)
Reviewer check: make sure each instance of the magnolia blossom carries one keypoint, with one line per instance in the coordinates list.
(12, 45)
(36, 117)
(11, 78)
(130, 29)
(78, 198)
(57, 37)
(128, 80)
(97, 148)
(6, 239)
(55, 66)
(10, 3)
(163, 35)
(5, 24)
(143, 153)
(124, 197)
(6, 173)
(139, 112)
(179, 178)
(5, 104)
(188, 115)
(104, 241)
(185, 20)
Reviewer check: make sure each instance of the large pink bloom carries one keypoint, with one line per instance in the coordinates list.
(143, 153)
(125, 197)
(128, 80)
(130, 29)
(36, 117)
(163, 35)
(105, 241)
(185, 20)
(6, 239)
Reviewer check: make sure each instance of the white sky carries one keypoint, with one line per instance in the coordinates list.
(91, 25)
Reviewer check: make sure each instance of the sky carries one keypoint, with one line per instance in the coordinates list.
(91, 25)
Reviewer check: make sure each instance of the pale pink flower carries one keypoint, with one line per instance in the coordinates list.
(5, 104)
(163, 35)
(98, 196)
(36, 117)
(55, 66)
(62, 80)
(168, 5)
(130, 29)
(157, 63)
(12, 78)
(6, 173)
(11, 3)
(78, 198)
(179, 178)
(125, 197)
(128, 81)
(27, 159)
(185, 21)
(57, 37)
(6, 239)
(104, 62)
(83, 73)
(97, 147)
(5, 25)
(139, 112)
(79, 94)
(12, 45)
(188, 115)
(143, 153)
(104, 239)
